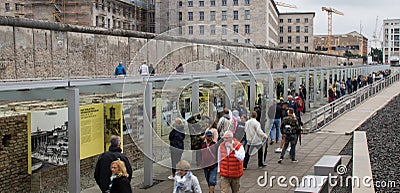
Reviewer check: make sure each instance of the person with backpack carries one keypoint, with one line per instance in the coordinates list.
(290, 128)
(102, 171)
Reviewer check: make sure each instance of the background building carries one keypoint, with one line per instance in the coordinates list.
(391, 41)
(353, 42)
(111, 14)
(242, 21)
(296, 30)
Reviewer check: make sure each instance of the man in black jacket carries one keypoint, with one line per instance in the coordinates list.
(102, 172)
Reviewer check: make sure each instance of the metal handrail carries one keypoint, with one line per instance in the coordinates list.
(322, 116)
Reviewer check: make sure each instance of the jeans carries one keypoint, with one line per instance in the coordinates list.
(211, 176)
(275, 123)
(259, 152)
(292, 139)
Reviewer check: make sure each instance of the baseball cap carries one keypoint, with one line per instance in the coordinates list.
(209, 133)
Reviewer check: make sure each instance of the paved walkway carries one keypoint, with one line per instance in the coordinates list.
(329, 141)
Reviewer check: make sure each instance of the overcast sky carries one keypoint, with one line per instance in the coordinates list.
(355, 12)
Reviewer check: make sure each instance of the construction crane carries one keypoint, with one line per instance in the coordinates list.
(330, 11)
(285, 5)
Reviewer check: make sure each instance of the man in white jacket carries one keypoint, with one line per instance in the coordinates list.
(255, 139)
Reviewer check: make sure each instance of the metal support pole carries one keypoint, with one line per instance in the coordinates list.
(297, 82)
(271, 84)
(228, 94)
(195, 97)
(332, 77)
(308, 90)
(148, 135)
(315, 101)
(252, 93)
(322, 79)
(285, 85)
(74, 168)
(327, 87)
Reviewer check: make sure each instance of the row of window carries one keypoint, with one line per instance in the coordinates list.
(297, 20)
(214, 13)
(224, 29)
(289, 40)
(298, 48)
(126, 12)
(212, 3)
(289, 30)
(116, 24)
(7, 7)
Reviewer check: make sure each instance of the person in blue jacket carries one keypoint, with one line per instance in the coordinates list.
(120, 70)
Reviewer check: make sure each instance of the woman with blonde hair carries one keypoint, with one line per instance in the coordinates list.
(119, 178)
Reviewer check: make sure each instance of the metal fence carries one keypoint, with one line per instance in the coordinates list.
(322, 116)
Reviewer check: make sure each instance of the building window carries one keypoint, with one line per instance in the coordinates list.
(190, 3)
(247, 41)
(212, 3)
(236, 40)
(297, 47)
(235, 2)
(201, 13)
(223, 3)
(201, 28)
(289, 20)
(289, 47)
(297, 39)
(247, 2)
(289, 39)
(281, 39)
(236, 28)
(7, 6)
(281, 29)
(190, 16)
(17, 5)
(223, 18)
(201, 3)
(109, 23)
(306, 29)
(180, 3)
(212, 15)
(289, 29)
(224, 29)
(180, 16)
(298, 20)
(297, 29)
(235, 15)
(212, 29)
(305, 20)
(97, 21)
(247, 29)
(306, 39)
(190, 29)
(280, 20)
(247, 14)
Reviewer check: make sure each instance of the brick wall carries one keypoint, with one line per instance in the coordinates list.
(14, 154)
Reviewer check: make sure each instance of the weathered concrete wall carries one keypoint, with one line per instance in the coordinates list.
(42, 50)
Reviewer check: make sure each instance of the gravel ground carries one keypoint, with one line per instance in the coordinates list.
(383, 142)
